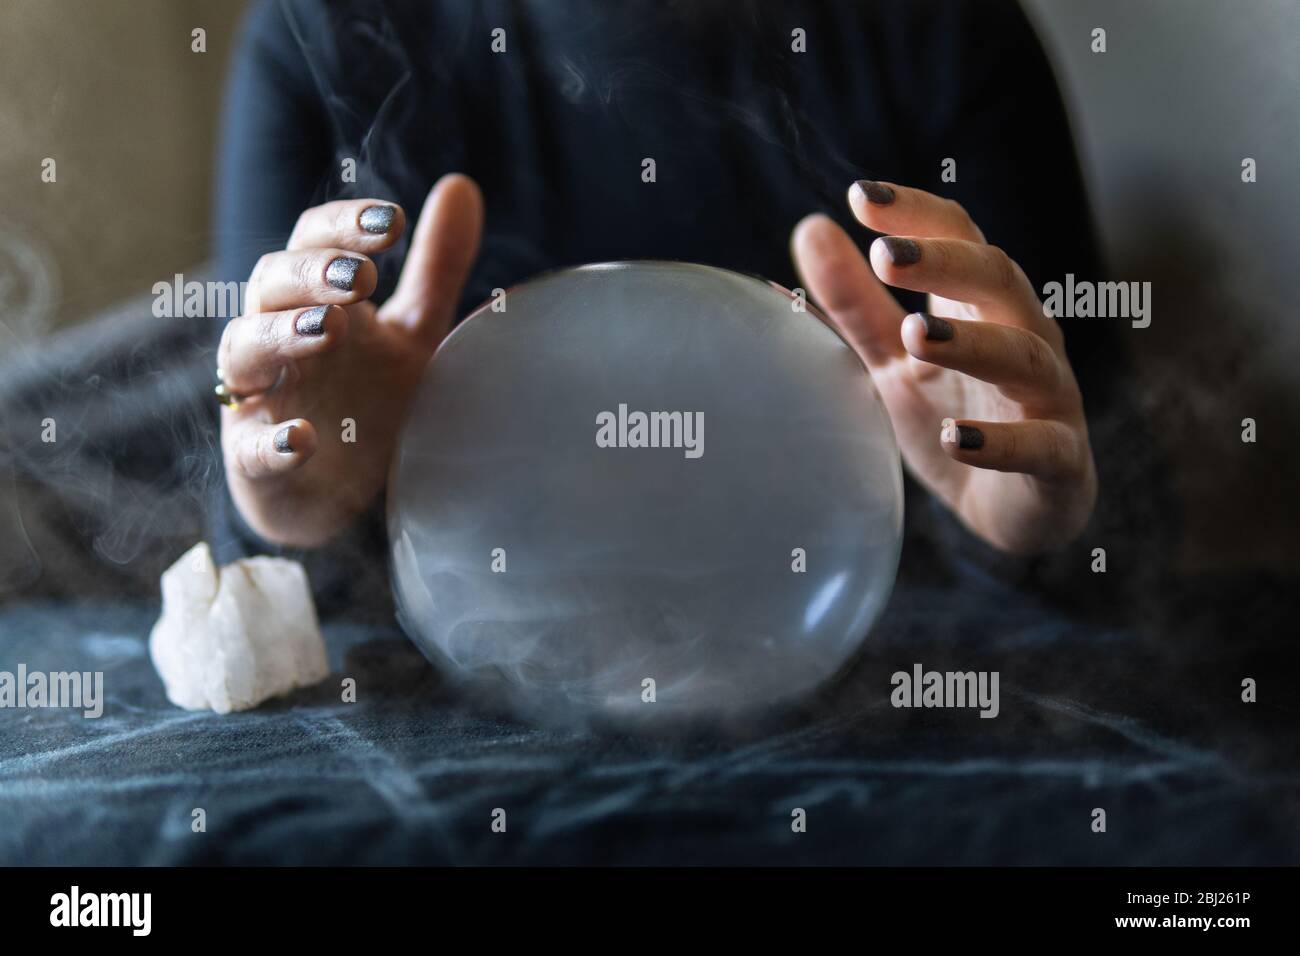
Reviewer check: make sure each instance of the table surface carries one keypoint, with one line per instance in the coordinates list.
(1144, 722)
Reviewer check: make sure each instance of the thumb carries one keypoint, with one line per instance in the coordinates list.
(840, 279)
(442, 251)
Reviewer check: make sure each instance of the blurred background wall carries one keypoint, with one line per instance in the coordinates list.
(1186, 89)
(112, 92)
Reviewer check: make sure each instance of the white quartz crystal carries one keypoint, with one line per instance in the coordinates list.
(230, 638)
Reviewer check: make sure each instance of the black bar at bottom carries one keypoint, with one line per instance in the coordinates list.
(332, 906)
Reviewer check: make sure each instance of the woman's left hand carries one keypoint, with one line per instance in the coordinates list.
(983, 401)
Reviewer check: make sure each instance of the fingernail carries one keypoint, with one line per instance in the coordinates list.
(936, 329)
(341, 273)
(282, 440)
(877, 193)
(902, 252)
(968, 436)
(377, 219)
(311, 321)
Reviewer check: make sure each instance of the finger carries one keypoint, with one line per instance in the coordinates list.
(885, 207)
(1044, 449)
(1020, 363)
(303, 277)
(442, 252)
(963, 271)
(263, 451)
(358, 225)
(838, 277)
(254, 348)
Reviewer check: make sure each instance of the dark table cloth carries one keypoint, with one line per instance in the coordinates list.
(1145, 722)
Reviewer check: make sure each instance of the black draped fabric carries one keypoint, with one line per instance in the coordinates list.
(1148, 727)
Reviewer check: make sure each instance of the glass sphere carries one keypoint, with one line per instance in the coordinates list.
(645, 487)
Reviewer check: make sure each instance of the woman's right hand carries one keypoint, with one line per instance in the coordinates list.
(315, 362)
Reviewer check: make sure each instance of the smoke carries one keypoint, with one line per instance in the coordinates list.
(106, 448)
(400, 86)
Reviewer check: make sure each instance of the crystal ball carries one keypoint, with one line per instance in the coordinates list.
(645, 488)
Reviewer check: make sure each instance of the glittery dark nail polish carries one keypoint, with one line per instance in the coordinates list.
(969, 437)
(377, 219)
(902, 252)
(312, 321)
(936, 329)
(282, 440)
(877, 193)
(341, 273)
